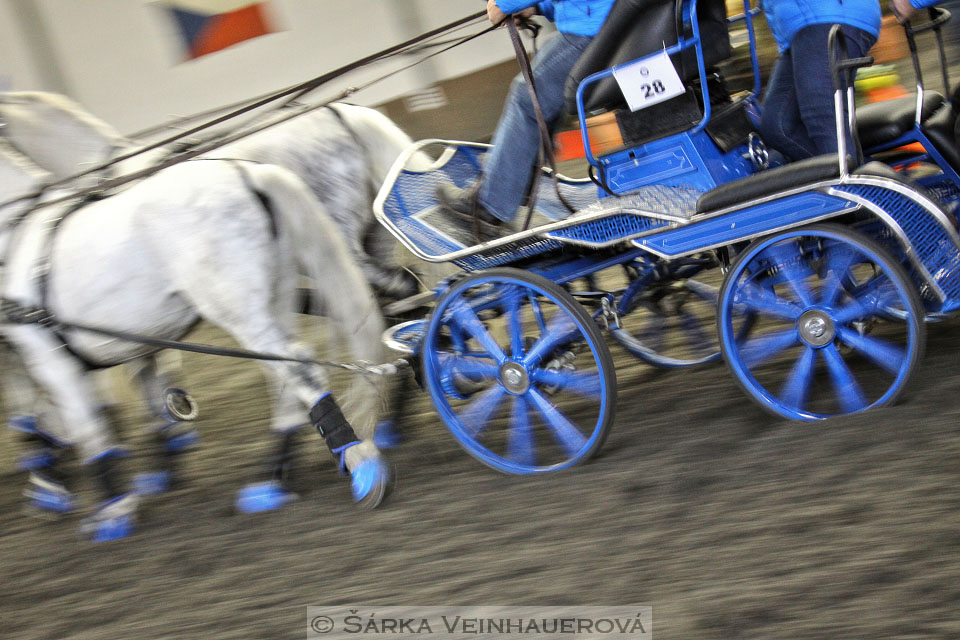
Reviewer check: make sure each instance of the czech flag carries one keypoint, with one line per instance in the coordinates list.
(211, 25)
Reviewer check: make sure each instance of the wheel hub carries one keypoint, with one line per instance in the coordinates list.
(514, 378)
(816, 328)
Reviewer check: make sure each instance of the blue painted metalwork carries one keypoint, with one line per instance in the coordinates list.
(745, 223)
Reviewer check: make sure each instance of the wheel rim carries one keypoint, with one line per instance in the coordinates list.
(672, 323)
(514, 375)
(835, 328)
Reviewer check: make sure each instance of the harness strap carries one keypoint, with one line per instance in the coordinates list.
(546, 143)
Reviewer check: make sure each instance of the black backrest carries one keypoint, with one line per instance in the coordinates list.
(636, 28)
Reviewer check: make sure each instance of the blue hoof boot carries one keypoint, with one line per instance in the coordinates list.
(263, 496)
(182, 441)
(152, 483)
(386, 435)
(23, 423)
(369, 482)
(112, 521)
(36, 459)
(113, 529)
(51, 498)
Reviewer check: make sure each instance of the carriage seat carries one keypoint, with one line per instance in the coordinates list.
(637, 28)
(772, 181)
(882, 122)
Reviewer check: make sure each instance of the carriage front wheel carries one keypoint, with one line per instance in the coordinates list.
(835, 323)
(519, 372)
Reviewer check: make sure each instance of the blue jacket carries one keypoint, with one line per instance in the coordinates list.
(579, 17)
(786, 17)
(923, 4)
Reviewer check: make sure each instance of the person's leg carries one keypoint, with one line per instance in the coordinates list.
(780, 124)
(516, 141)
(814, 86)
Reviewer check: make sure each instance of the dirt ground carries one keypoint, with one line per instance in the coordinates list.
(728, 522)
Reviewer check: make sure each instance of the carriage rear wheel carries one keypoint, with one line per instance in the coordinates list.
(519, 372)
(836, 326)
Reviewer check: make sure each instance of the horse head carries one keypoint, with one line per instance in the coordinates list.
(55, 132)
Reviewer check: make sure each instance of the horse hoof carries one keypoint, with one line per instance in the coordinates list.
(369, 482)
(152, 483)
(386, 435)
(112, 521)
(50, 499)
(263, 496)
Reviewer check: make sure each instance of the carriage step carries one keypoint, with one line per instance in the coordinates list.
(405, 337)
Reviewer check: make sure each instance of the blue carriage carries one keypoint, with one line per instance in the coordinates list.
(817, 275)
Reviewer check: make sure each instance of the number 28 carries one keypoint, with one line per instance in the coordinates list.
(651, 90)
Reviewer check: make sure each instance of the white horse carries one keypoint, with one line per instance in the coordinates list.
(342, 152)
(217, 240)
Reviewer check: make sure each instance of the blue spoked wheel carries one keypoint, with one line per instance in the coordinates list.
(668, 311)
(835, 326)
(519, 372)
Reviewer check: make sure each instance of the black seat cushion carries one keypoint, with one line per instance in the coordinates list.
(772, 181)
(636, 28)
(882, 122)
(940, 129)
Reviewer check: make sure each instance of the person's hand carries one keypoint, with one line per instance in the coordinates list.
(497, 16)
(494, 13)
(902, 9)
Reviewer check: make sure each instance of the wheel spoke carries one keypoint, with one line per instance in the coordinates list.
(756, 351)
(847, 389)
(537, 312)
(560, 330)
(511, 303)
(761, 300)
(467, 319)
(473, 368)
(838, 263)
(584, 384)
(797, 387)
(885, 355)
(567, 435)
(475, 415)
(520, 437)
(786, 263)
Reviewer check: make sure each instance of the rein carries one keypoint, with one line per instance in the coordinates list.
(16, 313)
(546, 142)
(296, 91)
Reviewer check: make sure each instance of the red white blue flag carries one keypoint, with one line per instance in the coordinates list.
(211, 25)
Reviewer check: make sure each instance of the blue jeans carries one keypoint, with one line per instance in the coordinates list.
(516, 142)
(798, 118)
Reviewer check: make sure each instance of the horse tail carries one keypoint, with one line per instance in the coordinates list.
(321, 253)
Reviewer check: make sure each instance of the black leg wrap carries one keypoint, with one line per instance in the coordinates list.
(330, 423)
(105, 473)
(281, 459)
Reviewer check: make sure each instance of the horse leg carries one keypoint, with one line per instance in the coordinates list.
(173, 435)
(71, 391)
(270, 490)
(380, 246)
(40, 432)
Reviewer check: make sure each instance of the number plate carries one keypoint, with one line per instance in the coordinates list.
(648, 81)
